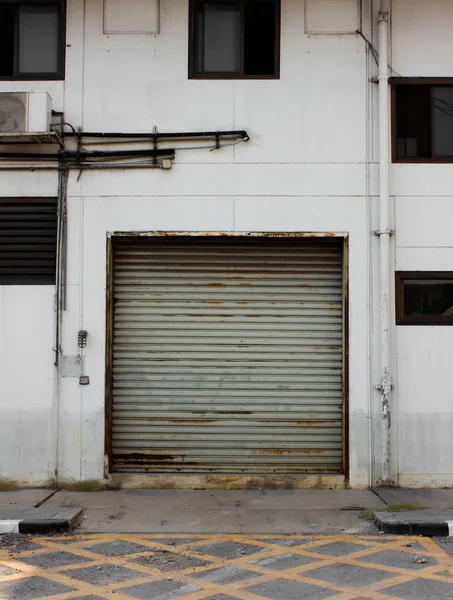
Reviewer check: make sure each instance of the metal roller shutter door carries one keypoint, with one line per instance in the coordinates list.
(227, 355)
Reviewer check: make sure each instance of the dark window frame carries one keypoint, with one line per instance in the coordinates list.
(425, 81)
(194, 74)
(430, 320)
(61, 57)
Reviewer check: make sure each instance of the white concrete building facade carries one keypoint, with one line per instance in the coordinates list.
(290, 396)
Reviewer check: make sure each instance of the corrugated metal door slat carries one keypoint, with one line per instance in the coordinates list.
(227, 355)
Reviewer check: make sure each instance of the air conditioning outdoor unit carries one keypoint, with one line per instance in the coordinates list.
(25, 112)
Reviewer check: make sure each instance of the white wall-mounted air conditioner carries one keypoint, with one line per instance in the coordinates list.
(25, 112)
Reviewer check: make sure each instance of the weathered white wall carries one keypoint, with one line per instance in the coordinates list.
(211, 213)
(421, 46)
(304, 169)
(27, 377)
(27, 383)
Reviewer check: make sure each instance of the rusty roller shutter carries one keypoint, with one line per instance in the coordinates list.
(227, 355)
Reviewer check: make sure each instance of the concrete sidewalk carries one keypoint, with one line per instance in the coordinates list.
(396, 511)
(22, 511)
(416, 512)
(219, 511)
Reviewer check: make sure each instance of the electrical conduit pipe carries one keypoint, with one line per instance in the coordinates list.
(384, 236)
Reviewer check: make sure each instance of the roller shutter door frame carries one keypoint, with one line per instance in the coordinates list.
(184, 447)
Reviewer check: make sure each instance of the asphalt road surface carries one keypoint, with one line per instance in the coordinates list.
(225, 567)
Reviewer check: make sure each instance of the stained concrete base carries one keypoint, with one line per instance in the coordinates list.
(220, 511)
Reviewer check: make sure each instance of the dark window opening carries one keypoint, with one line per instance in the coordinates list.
(259, 38)
(424, 298)
(235, 39)
(28, 241)
(413, 117)
(424, 122)
(32, 39)
(6, 40)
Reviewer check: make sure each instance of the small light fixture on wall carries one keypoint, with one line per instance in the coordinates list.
(82, 338)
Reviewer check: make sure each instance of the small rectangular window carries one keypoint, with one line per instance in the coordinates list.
(32, 39)
(423, 121)
(424, 298)
(28, 241)
(234, 39)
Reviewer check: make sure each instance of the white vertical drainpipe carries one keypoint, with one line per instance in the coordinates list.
(384, 233)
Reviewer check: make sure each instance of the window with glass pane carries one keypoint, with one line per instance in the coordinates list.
(218, 42)
(423, 122)
(31, 40)
(443, 120)
(239, 38)
(424, 298)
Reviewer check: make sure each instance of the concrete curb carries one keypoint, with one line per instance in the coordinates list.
(42, 526)
(423, 525)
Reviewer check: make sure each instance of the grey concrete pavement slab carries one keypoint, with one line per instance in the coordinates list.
(214, 499)
(428, 522)
(434, 499)
(10, 513)
(420, 516)
(43, 520)
(19, 520)
(204, 520)
(39, 513)
(221, 511)
(29, 498)
(67, 513)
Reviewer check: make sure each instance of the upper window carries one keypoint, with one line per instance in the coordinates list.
(32, 39)
(238, 39)
(424, 298)
(423, 121)
(28, 241)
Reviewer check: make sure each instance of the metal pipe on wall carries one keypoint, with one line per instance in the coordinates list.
(60, 259)
(384, 233)
(60, 301)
